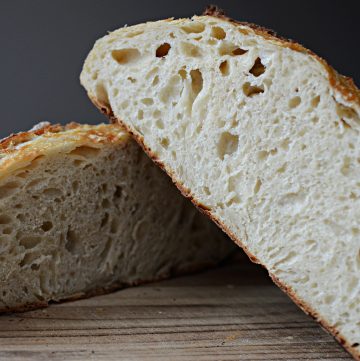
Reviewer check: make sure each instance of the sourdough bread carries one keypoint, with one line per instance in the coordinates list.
(84, 211)
(261, 134)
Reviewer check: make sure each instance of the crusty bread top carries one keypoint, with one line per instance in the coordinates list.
(17, 150)
(343, 84)
(345, 90)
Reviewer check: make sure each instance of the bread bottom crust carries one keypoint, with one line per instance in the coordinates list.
(115, 286)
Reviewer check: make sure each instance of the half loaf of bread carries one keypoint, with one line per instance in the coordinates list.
(261, 134)
(84, 211)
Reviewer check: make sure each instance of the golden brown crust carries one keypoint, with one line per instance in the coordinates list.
(17, 150)
(103, 130)
(342, 84)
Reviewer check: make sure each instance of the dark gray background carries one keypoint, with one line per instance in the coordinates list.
(44, 42)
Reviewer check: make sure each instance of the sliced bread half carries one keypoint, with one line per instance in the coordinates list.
(84, 211)
(261, 134)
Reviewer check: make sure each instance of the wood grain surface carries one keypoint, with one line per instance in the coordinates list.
(233, 312)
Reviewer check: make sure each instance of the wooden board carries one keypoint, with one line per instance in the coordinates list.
(231, 313)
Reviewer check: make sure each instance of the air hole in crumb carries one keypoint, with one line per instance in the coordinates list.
(262, 154)
(238, 51)
(159, 124)
(355, 231)
(251, 90)
(345, 112)
(282, 169)
(85, 151)
(163, 50)
(147, 101)
(114, 226)
(156, 113)
(104, 220)
(234, 200)
(294, 102)
(72, 241)
(35, 267)
(207, 191)
(164, 142)
(8, 189)
(125, 56)
(345, 169)
(118, 192)
(7, 230)
(329, 299)
(314, 119)
(193, 27)
(106, 251)
(182, 73)
(5, 219)
(131, 79)
(258, 68)
(257, 186)
(224, 68)
(124, 104)
(105, 203)
(190, 50)
(345, 124)
(29, 242)
(196, 81)
(140, 114)
(46, 226)
(285, 143)
(28, 259)
(218, 33)
(231, 49)
(315, 101)
(228, 144)
(102, 95)
(155, 80)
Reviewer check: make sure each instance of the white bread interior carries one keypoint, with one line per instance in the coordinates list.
(83, 211)
(262, 134)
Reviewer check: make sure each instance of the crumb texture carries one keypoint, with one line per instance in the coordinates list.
(253, 128)
(93, 215)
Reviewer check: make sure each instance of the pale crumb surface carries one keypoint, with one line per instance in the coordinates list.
(257, 134)
(87, 210)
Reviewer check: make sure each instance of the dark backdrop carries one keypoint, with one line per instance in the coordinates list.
(44, 42)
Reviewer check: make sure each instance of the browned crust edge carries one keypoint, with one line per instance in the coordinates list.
(343, 84)
(351, 348)
(22, 137)
(8, 144)
(116, 286)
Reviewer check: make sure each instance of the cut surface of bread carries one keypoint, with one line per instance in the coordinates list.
(84, 211)
(261, 134)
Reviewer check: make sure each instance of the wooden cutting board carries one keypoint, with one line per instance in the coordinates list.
(231, 313)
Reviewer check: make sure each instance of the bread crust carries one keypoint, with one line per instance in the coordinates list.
(342, 85)
(116, 286)
(17, 150)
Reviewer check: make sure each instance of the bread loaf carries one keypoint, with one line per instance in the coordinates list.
(261, 134)
(84, 211)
